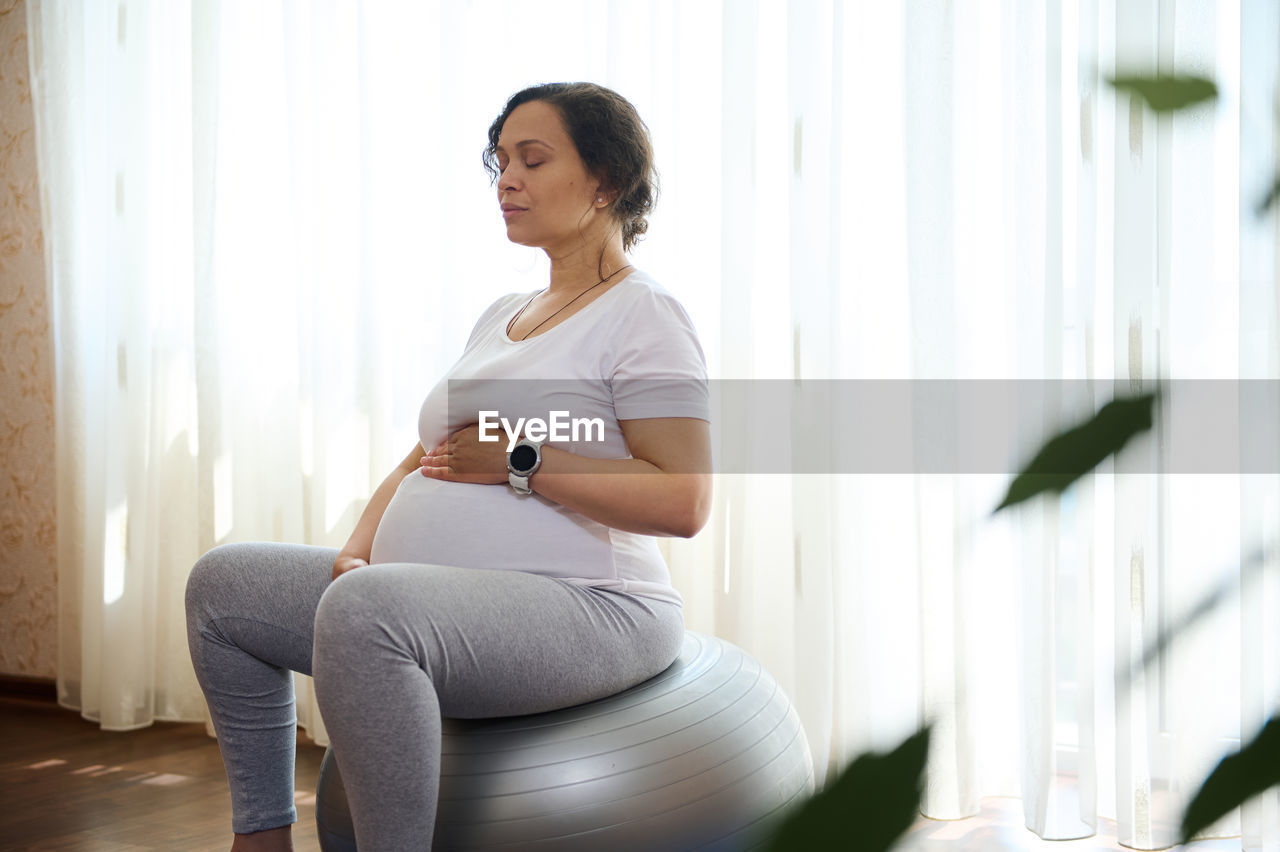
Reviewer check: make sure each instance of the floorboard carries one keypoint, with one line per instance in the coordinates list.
(67, 785)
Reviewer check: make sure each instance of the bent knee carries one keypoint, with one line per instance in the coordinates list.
(366, 612)
(347, 609)
(209, 576)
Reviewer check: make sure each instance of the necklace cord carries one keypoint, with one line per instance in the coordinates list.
(562, 307)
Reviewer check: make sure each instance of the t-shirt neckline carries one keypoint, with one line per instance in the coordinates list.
(506, 338)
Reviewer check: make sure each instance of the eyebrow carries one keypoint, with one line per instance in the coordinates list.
(524, 144)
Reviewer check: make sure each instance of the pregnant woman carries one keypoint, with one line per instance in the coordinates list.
(488, 576)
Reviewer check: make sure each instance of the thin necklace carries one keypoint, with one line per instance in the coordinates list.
(565, 305)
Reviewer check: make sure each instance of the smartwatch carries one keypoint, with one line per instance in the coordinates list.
(523, 462)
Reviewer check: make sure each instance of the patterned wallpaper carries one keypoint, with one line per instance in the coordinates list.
(28, 554)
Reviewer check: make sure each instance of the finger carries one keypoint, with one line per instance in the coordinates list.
(436, 471)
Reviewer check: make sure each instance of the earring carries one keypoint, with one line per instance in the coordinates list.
(600, 200)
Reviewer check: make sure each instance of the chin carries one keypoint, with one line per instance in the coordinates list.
(514, 235)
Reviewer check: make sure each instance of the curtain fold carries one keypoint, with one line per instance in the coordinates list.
(267, 232)
(1259, 313)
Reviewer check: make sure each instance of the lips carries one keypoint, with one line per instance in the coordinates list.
(510, 211)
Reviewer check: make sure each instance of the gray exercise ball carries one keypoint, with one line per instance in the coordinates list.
(709, 754)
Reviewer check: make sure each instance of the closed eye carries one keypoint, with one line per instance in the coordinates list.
(502, 167)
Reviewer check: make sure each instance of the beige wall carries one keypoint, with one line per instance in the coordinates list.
(28, 564)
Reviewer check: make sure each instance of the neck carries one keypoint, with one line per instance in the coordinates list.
(584, 266)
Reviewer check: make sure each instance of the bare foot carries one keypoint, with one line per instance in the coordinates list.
(272, 840)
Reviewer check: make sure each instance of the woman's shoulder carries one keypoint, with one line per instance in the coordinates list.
(641, 283)
(645, 299)
(655, 340)
(642, 293)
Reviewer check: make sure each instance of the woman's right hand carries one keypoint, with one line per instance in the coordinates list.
(345, 563)
(361, 540)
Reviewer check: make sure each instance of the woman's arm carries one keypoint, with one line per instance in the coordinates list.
(356, 551)
(664, 489)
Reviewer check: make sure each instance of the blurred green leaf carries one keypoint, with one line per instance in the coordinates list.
(873, 802)
(1270, 198)
(1168, 94)
(1077, 451)
(1238, 778)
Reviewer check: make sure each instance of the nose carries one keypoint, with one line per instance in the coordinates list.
(507, 181)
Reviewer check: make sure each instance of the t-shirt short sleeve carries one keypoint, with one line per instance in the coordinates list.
(659, 368)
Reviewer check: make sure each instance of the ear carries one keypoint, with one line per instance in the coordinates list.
(603, 195)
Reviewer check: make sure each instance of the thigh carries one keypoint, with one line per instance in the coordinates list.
(502, 643)
(262, 597)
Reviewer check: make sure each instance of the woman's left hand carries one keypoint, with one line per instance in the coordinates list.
(463, 457)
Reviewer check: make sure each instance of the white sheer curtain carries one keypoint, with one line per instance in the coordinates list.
(268, 231)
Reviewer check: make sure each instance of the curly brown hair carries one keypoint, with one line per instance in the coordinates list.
(611, 139)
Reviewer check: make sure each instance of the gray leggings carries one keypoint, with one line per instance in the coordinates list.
(392, 648)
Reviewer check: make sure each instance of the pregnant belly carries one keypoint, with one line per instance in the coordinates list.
(489, 526)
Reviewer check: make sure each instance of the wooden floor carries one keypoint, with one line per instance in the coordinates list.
(65, 784)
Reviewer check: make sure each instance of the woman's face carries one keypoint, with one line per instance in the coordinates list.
(546, 194)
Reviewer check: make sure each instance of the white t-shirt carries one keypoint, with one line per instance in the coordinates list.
(631, 353)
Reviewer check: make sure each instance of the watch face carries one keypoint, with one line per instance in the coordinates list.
(523, 457)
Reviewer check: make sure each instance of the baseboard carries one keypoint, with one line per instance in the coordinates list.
(21, 686)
